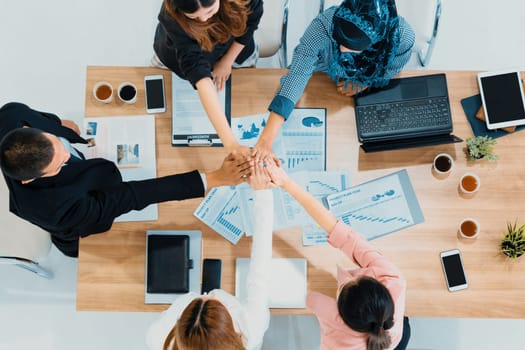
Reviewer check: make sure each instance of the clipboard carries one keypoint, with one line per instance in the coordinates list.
(190, 124)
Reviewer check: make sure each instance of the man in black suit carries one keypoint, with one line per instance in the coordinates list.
(53, 186)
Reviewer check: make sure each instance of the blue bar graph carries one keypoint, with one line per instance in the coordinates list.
(228, 225)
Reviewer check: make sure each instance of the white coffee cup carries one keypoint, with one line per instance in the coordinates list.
(469, 183)
(127, 92)
(443, 163)
(469, 228)
(103, 92)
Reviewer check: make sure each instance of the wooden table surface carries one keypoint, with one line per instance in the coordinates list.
(111, 264)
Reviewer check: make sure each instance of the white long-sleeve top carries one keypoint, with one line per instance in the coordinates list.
(251, 316)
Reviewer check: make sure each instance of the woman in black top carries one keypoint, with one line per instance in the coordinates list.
(200, 41)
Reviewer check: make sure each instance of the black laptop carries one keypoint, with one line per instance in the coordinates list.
(408, 112)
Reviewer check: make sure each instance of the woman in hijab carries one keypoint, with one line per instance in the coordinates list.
(359, 44)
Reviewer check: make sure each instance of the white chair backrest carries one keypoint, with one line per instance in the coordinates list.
(18, 237)
(420, 14)
(272, 27)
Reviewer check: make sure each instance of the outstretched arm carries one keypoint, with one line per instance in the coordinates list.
(258, 280)
(212, 106)
(234, 170)
(263, 148)
(321, 215)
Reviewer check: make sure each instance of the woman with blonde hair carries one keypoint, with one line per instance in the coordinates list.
(219, 320)
(200, 41)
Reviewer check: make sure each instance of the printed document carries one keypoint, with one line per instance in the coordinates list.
(378, 207)
(129, 142)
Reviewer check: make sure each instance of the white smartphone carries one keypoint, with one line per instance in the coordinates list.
(453, 268)
(155, 97)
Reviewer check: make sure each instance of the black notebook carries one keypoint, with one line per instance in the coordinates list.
(168, 264)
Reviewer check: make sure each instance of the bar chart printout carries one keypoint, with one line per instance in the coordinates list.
(220, 210)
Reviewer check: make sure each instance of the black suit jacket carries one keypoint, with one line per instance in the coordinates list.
(84, 197)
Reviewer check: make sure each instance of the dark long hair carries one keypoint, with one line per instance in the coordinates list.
(231, 20)
(205, 324)
(366, 306)
(25, 153)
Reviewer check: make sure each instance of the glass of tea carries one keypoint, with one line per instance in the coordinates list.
(469, 183)
(469, 228)
(103, 92)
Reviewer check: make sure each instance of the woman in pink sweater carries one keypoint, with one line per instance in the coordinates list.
(368, 312)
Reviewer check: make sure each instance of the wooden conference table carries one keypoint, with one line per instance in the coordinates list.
(111, 265)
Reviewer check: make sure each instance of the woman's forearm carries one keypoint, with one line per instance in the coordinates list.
(316, 209)
(214, 110)
(274, 123)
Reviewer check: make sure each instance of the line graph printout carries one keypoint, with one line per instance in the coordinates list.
(378, 207)
(220, 210)
(300, 143)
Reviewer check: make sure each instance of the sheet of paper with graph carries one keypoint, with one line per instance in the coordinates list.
(229, 210)
(378, 207)
(301, 142)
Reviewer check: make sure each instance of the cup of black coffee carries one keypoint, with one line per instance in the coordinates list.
(443, 164)
(127, 92)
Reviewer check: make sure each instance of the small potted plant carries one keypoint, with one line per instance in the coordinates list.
(480, 147)
(513, 242)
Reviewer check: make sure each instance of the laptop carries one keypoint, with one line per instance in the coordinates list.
(408, 112)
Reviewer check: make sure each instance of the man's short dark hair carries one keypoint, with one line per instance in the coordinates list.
(25, 153)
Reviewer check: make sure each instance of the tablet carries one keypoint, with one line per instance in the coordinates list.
(502, 98)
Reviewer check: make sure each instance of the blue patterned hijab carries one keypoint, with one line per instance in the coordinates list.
(378, 21)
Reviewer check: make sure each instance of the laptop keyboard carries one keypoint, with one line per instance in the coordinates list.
(416, 115)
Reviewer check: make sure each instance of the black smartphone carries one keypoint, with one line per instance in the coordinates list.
(211, 275)
(154, 89)
(453, 268)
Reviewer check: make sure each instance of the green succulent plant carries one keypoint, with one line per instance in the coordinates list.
(481, 147)
(513, 242)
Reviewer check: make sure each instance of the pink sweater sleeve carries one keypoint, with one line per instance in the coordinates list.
(357, 248)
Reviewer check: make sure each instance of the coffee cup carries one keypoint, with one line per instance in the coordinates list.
(443, 164)
(469, 228)
(469, 183)
(103, 92)
(127, 92)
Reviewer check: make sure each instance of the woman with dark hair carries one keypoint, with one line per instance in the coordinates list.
(200, 41)
(359, 44)
(219, 320)
(368, 312)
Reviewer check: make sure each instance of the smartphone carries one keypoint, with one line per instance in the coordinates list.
(155, 97)
(453, 268)
(211, 275)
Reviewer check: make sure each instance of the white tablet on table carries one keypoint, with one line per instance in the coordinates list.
(502, 98)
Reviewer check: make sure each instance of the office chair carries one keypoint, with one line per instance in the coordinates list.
(271, 34)
(422, 15)
(22, 244)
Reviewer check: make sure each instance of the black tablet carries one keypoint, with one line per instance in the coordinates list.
(168, 264)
